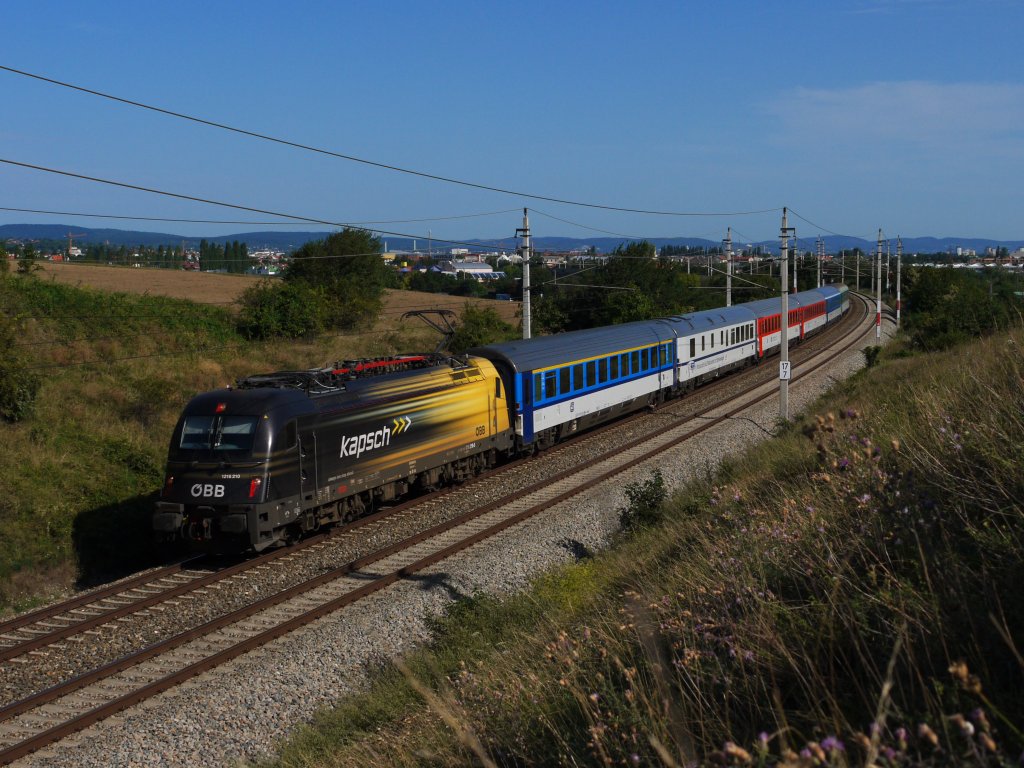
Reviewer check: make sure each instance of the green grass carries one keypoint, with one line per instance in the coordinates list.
(79, 475)
(854, 582)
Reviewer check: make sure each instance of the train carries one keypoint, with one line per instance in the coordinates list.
(279, 455)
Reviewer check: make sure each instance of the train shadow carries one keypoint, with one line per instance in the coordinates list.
(116, 539)
(432, 581)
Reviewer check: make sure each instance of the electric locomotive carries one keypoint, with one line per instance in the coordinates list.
(284, 453)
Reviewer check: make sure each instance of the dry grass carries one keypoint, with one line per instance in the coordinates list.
(846, 594)
(220, 289)
(77, 479)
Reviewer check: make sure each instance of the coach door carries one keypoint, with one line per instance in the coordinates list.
(492, 400)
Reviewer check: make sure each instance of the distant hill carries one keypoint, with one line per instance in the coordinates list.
(289, 241)
(283, 241)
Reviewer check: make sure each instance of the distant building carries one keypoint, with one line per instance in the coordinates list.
(475, 269)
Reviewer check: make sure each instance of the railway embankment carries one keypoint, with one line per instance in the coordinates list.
(91, 384)
(845, 593)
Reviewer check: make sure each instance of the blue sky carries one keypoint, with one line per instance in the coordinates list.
(902, 114)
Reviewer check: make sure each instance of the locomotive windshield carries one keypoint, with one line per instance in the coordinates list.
(219, 433)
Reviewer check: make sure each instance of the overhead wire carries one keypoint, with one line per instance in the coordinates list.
(236, 206)
(353, 158)
(260, 223)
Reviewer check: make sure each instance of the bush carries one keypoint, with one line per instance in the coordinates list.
(18, 385)
(479, 326)
(290, 310)
(18, 390)
(645, 502)
(871, 356)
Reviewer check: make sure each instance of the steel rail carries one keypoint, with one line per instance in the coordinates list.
(78, 625)
(123, 702)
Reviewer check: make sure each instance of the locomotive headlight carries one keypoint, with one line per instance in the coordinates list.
(254, 487)
(168, 484)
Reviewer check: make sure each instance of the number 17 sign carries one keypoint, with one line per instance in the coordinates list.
(785, 370)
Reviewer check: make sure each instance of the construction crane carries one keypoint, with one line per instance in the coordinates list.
(70, 243)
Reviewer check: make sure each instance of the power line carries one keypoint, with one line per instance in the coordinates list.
(825, 229)
(222, 204)
(608, 232)
(352, 158)
(223, 221)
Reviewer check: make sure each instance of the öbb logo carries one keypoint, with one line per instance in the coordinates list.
(208, 489)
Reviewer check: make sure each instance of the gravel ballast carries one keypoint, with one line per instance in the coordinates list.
(242, 710)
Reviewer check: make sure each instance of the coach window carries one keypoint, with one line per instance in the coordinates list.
(702, 342)
(577, 376)
(634, 359)
(614, 361)
(591, 371)
(712, 341)
(624, 365)
(563, 381)
(662, 355)
(550, 384)
(693, 348)
(602, 369)
(538, 388)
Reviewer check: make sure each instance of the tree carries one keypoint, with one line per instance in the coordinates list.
(5, 266)
(27, 263)
(332, 283)
(342, 256)
(349, 267)
(479, 326)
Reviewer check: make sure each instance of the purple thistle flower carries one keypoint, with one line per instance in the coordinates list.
(830, 743)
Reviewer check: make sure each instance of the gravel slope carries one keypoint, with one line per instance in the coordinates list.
(241, 710)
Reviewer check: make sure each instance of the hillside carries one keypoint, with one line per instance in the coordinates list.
(289, 241)
(113, 370)
(845, 594)
(225, 290)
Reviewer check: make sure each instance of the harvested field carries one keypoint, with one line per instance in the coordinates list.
(207, 288)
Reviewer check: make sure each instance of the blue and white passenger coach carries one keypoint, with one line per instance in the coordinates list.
(571, 381)
(574, 380)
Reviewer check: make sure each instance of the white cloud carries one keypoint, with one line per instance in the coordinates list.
(978, 120)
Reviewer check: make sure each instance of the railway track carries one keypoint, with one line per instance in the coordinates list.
(40, 719)
(38, 629)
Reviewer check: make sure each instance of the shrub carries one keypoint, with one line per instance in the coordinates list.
(290, 310)
(18, 385)
(646, 498)
(479, 326)
(871, 356)
(18, 390)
